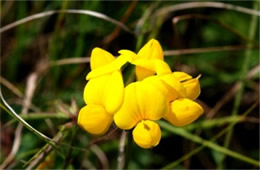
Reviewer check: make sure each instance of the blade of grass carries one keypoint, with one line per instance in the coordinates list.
(238, 97)
(10, 86)
(208, 50)
(65, 61)
(207, 143)
(211, 123)
(221, 133)
(5, 106)
(39, 116)
(68, 11)
(221, 5)
(46, 150)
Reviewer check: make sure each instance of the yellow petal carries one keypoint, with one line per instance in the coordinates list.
(176, 87)
(108, 68)
(129, 55)
(152, 103)
(142, 73)
(192, 87)
(181, 76)
(146, 68)
(183, 112)
(147, 134)
(151, 50)
(94, 90)
(100, 57)
(128, 115)
(113, 92)
(163, 87)
(94, 119)
(142, 100)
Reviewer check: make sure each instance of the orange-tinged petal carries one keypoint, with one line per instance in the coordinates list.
(147, 134)
(183, 112)
(151, 50)
(100, 57)
(113, 92)
(94, 119)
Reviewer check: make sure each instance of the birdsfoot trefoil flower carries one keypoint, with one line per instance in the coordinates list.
(158, 93)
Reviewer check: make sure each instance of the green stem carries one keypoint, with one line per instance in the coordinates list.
(39, 116)
(46, 150)
(238, 97)
(211, 123)
(221, 133)
(9, 110)
(207, 143)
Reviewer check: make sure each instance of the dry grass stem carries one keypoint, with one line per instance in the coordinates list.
(121, 152)
(11, 87)
(30, 88)
(230, 94)
(68, 11)
(221, 5)
(101, 156)
(65, 61)
(207, 50)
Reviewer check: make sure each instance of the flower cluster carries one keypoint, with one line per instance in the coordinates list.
(158, 93)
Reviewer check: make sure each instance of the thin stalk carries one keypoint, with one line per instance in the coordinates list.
(221, 133)
(46, 150)
(190, 5)
(39, 116)
(211, 123)
(69, 153)
(10, 110)
(68, 11)
(207, 143)
(128, 150)
(238, 97)
(121, 151)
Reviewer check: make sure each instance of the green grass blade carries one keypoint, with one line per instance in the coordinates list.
(207, 143)
(9, 110)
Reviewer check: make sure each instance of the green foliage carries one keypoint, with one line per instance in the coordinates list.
(26, 48)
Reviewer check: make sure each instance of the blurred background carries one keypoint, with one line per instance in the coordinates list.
(44, 63)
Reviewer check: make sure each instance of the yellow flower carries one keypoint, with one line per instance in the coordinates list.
(103, 93)
(144, 102)
(167, 95)
(149, 57)
(183, 109)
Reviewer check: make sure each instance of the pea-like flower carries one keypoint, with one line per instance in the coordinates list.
(103, 93)
(158, 93)
(183, 109)
(144, 103)
(150, 55)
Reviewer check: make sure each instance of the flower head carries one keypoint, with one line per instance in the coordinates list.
(103, 93)
(157, 93)
(144, 102)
